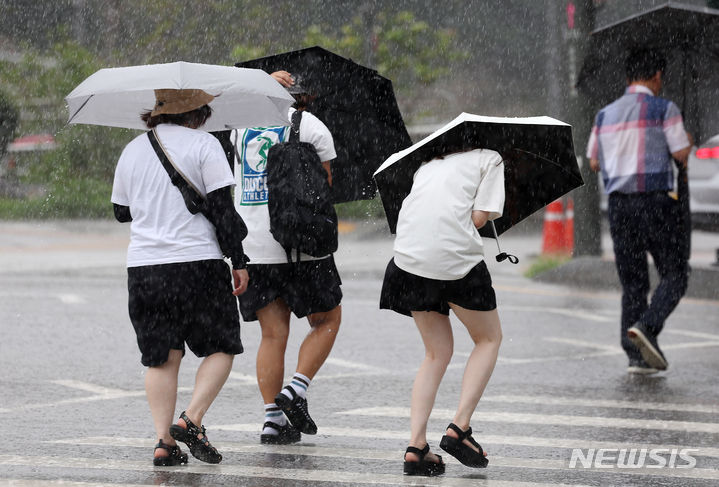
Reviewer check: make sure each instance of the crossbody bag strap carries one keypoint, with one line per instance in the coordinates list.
(194, 200)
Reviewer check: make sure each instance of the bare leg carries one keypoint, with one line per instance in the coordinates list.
(161, 390)
(486, 333)
(318, 343)
(436, 334)
(211, 376)
(275, 323)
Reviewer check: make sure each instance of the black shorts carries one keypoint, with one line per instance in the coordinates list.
(404, 292)
(192, 302)
(310, 286)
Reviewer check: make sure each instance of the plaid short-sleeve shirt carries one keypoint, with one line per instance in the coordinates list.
(633, 139)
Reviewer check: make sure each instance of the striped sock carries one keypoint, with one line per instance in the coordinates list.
(275, 415)
(299, 384)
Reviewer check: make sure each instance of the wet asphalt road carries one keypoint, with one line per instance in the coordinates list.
(73, 411)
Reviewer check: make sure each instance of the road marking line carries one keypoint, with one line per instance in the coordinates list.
(583, 343)
(71, 299)
(355, 365)
(63, 483)
(551, 419)
(692, 333)
(244, 471)
(604, 403)
(345, 476)
(571, 312)
(492, 440)
(88, 387)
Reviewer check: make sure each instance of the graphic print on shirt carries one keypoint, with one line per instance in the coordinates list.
(255, 145)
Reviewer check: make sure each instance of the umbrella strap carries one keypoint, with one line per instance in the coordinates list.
(502, 256)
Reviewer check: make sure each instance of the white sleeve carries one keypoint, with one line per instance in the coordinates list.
(315, 132)
(490, 192)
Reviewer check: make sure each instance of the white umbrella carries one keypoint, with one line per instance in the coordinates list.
(116, 97)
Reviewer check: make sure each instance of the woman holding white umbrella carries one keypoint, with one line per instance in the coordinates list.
(180, 290)
(438, 265)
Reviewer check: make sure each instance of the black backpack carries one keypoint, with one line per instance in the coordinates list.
(299, 197)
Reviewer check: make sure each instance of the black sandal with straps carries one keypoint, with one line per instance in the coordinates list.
(174, 456)
(461, 451)
(422, 466)
(199, 447)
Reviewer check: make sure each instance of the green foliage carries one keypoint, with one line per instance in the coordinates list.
(545, 263)
(77, 175)
(360, 210)
(67, 198)
(402, 48)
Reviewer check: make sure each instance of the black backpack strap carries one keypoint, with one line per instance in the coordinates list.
(295, 127)
(193, 199)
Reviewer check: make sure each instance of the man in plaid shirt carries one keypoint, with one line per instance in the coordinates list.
(634, 142)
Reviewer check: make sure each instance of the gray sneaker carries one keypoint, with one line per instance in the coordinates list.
(640, 367)
(648, 346)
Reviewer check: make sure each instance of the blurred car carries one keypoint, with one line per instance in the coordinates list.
(703, 186)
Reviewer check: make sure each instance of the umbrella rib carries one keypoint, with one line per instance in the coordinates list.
(545, 159)
(81, 107)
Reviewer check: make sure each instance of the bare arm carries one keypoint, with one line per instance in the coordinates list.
(480, 218)
(594, 164)
(326, 165)
(682, 156)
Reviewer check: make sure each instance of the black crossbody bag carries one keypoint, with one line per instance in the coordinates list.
(194, 201)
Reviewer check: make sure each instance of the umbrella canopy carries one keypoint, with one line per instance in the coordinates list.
(539, 163)
(359, 108)
(687, 36)
(116, 97)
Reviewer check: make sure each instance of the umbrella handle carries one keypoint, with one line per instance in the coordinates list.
(502, 256)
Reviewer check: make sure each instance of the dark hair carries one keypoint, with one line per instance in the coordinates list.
(302, 101)
(642, 64)
(194, 118)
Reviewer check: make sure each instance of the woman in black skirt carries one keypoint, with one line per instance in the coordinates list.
(438, 265)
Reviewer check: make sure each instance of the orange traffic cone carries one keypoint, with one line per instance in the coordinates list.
(569, 227)
(553, 237)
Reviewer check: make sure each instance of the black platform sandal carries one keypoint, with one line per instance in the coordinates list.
(422, 467)
(174, 456)
(462, 452)
(199, 447)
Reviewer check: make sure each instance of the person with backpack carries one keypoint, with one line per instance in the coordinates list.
(283, 194)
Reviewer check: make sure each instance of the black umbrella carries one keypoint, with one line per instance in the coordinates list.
(687, 36)
(357, 105)
(539, 163)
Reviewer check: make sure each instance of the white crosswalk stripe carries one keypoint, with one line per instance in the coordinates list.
(394, 455)
(244, 471)
(553, 419)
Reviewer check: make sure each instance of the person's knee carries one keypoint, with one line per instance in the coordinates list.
(278, 333)
(441, 355)
(329, 320)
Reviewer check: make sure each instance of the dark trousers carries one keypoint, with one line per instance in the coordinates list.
(652, 223)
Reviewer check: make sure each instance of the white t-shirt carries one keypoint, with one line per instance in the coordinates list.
(162, 230)
(436, 238)
(251, 176)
